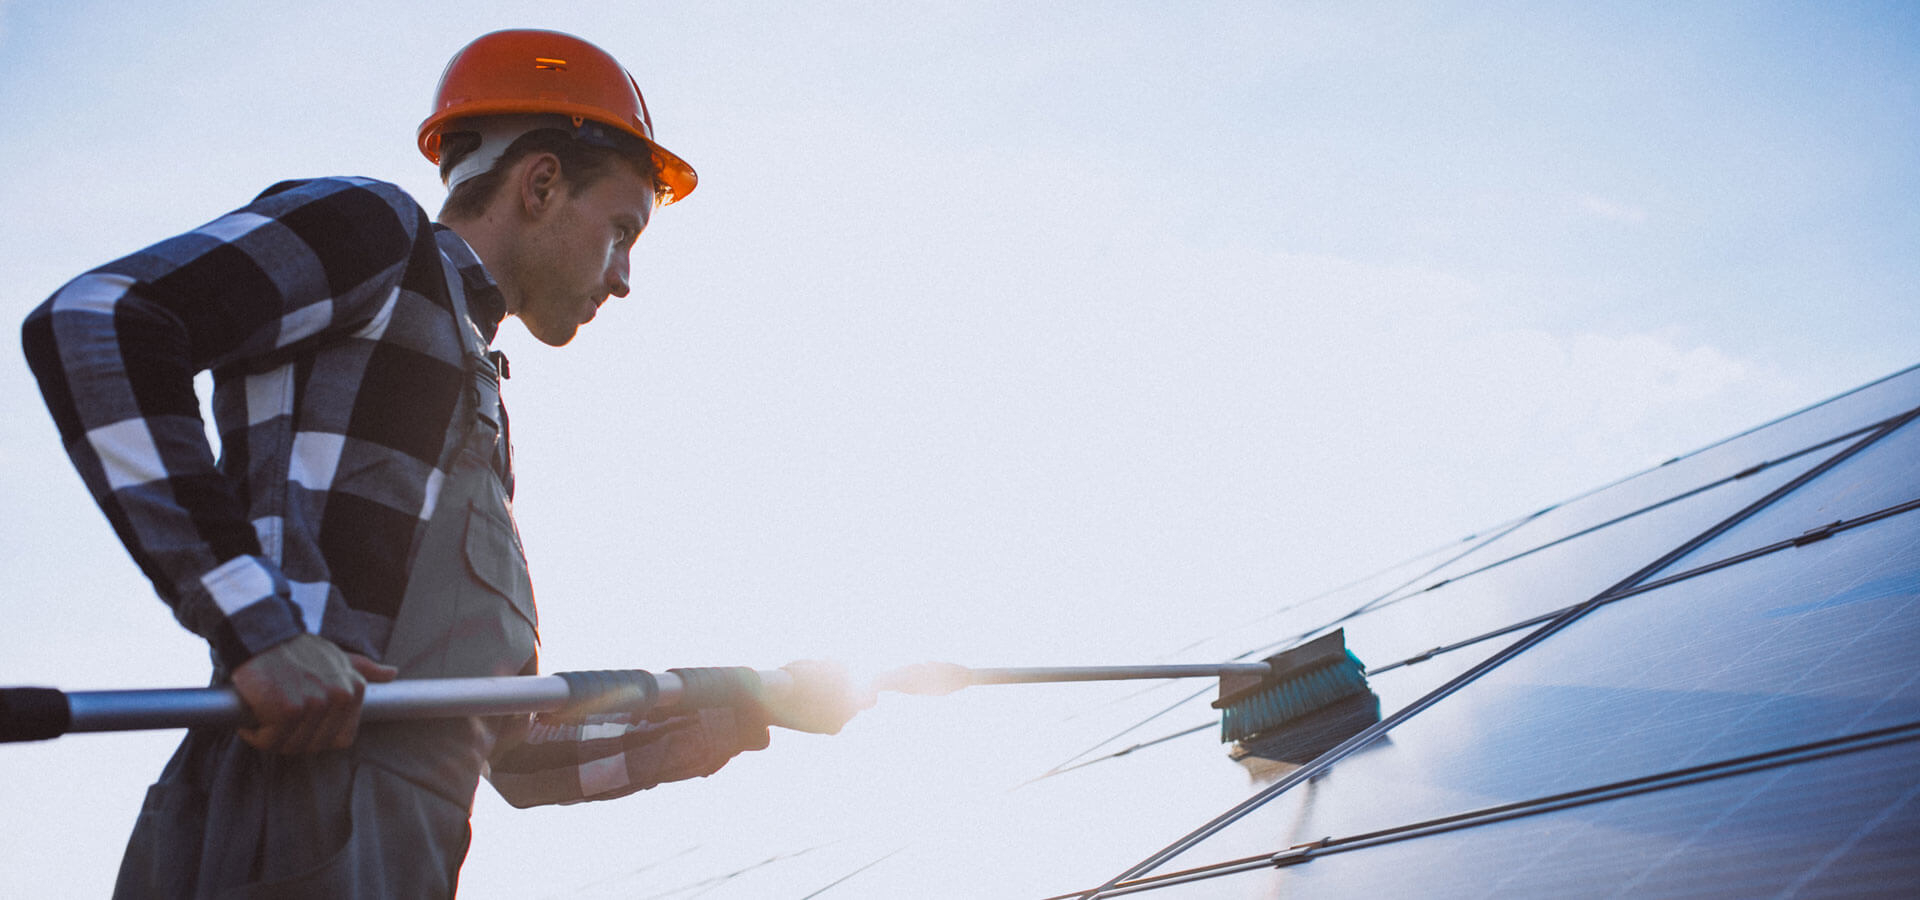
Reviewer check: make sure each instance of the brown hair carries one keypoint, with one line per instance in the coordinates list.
(581, 162)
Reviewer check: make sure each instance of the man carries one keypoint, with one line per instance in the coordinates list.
(357, 526)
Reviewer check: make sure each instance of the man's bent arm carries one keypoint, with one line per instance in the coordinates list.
(561, 761)
(116, 350)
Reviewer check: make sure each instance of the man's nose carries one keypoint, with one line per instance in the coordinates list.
(617, 284)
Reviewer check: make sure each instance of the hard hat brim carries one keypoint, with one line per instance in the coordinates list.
(677, 178)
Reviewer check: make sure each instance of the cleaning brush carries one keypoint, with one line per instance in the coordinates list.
(1300, 695)
(1315, 697)
(1258, 700)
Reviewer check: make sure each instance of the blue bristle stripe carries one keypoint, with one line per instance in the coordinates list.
(1303, 693)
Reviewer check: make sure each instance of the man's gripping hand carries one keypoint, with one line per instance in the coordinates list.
(823, 698)
(305, 695)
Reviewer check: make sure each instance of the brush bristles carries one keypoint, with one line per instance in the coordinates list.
(1302, 693)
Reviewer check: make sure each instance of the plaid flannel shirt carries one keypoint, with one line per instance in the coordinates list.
(322, 309)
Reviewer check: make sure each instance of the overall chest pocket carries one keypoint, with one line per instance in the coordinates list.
(495, 559)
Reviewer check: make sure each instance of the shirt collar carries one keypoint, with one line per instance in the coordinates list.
(486, 305)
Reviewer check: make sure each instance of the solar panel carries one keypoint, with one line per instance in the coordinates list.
(1804, 645)
(1800, 647)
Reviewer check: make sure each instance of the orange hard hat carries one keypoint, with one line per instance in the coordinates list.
(526, 71)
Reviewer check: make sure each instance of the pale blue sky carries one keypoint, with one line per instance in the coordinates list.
(1008, 333)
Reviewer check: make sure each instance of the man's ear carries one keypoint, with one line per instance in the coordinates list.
(540, 184)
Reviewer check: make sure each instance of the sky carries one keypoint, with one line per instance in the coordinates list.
(999, 333)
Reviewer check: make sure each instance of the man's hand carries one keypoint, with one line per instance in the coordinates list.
(305, 695)
(823, 699)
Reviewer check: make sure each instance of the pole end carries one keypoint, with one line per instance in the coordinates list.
(33, 714)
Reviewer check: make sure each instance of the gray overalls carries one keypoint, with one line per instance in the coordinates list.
(387, 817)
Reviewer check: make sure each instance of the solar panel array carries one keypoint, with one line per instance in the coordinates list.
(1701, 679)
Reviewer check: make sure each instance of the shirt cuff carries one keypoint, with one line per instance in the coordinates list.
(735, 730)
(255, 609)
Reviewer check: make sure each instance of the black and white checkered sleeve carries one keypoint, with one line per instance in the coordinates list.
(562, 761)
(116, 349)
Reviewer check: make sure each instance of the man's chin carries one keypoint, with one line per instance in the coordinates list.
(551, 335)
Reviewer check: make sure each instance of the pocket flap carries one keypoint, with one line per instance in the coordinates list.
(493, 555)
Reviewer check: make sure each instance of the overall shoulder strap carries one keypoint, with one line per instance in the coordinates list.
(489, 420)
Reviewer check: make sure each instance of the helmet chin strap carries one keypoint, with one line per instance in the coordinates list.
(497, 133)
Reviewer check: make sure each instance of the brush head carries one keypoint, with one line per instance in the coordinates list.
(1306, 679)
(1303, 738)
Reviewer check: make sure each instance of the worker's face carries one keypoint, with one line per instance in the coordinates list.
(576, 254)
